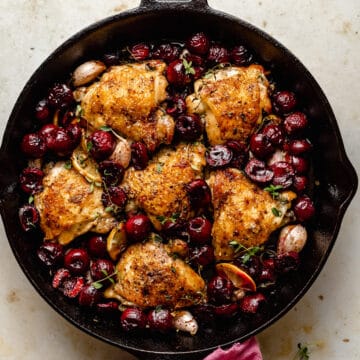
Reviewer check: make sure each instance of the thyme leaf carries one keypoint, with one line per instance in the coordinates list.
(273, 190)
(302, 353)
(188, 67)
(276, 212)
(98, 284)
(246, 253)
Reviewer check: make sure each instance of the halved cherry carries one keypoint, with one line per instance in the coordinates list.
(237, 276)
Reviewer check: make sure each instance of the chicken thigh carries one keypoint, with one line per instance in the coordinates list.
(149, 275)
(232, 100)
(127, 98)
(70, 206)
(243, 213)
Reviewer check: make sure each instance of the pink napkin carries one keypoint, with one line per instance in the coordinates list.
(248, 350)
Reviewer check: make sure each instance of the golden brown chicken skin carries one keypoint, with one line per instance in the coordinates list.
(70, 206)
(127, 98)
(160, 189)
(232, 100)
(243, 212)
(149, 275)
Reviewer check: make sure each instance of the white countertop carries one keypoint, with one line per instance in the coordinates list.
(325, 36)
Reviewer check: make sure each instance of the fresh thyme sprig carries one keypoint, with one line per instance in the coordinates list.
(98, 284)
(273, 190)
(246, 253)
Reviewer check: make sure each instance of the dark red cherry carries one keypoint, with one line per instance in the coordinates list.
(188, 127)
(72, 287)
(287, 262)
(203, 255)
(75, 132)
(31, 180)
(298, 146)
(176, 106)
(199, 193)
(252, 266)
(300, 183)
(167, 52)
(274, 133)
(250, 304)
(160, 320)
(261, 146)
(97, 246)
(101, 268)
(204, 314)
(48, 132)
(33, 145)
(299, 164)
(267, 273)
(295, 123)
(304, 208)
(138, 227)
(175, 229)
(101, 144)
(226, 310)
(139, 155)
(89, 296)
(111, 172)
(179, 72)
(283, 174)
(107, 308)
(110, 59)
(241, 56)
(284, 101)
(42, 111)
(140, 52)
(114, 195)
(218, 54)
(257, 171)
(62, 142)
(59, 277)
(220, 290)
(199, 230)
(77, 261)
(133, 319)
(50, 254)
(219, 156)
(60, 96)
(198, 43)
(29, 217)
(240, 155)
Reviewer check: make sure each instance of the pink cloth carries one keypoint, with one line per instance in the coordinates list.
(248, 350)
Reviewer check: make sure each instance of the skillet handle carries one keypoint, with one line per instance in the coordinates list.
(187, 3)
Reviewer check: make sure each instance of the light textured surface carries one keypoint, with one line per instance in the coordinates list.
(324, 34)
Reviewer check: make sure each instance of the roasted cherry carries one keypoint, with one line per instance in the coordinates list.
(50, 254)
(31, 180)
(219, 156)
(203, 255)
(72, 287)
(199, 193)
(111, 59)
(29, 217)
(77, 261)
(217, 55)
(139, 155)
(199, 230)
(111, 172)
(138, 227)
(140, 52)
(260, 145)
(287, 262)
(108, 308)
(220, 290)
(179, 72)
(62, 142)
(267, 273)
(198, 43)
(257, 171)
(160, 320)
(133, 319)
(175, 229)
(300, 183)
(42, 111)
(304, 208)
(176, 106)
(33, 145)
(101, 268)
(101, 144)
(114, 195)
(59, 277)
(97, 246)
(241, 56)
(250, 304)
(295, 123)
(166, 52)
(252, 266)
(89, 296)
(298, 146)
(226, 310)
(75, 132)
(300, 164)
(48, 133)
(188, 127)
(274, 133)
(283, 174)
(60, 96)
(284, 101)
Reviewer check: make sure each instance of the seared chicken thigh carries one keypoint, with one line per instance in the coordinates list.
(232, 100)
(127, 98)
(243, 212)
(149, 275)
(160, 189)
(69, 206)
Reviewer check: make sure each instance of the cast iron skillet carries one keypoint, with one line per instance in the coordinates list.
(176, 20)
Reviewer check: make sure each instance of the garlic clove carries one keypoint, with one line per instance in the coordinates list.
(292, 238)
(87, 72)
(185, 321)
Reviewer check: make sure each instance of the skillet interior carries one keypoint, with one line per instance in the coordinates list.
(152, 20)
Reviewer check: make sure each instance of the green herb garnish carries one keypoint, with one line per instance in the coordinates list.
(68, 165)
(246, 253)
(276, 212)
(98, 284)
(89, 146)
(302, 353)
(273, 190)
(105, 128)
(31, 199)
(188, 67)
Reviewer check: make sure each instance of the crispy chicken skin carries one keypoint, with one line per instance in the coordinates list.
(148, 275)
(243, 212)
(232, 100)
(160, 189)
(127, 98)
(69, 206)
